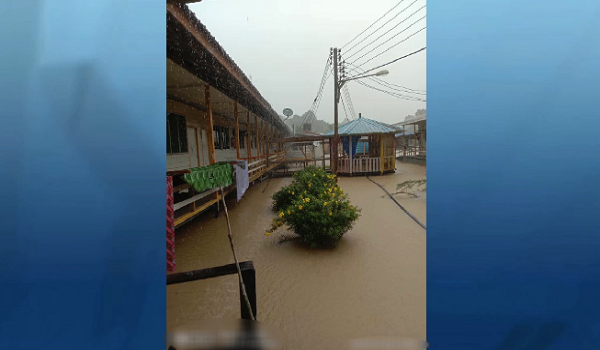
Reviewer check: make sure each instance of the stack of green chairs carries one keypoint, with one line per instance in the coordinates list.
(208, 177)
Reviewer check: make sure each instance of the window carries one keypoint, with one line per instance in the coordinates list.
(176, 134)
(225, 142)
(221, 137)
(243, 141)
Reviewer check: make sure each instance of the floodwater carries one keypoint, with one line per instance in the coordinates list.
(372, 285)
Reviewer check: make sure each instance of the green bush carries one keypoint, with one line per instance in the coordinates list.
(315, 208)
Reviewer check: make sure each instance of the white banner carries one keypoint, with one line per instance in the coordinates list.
(241, 173)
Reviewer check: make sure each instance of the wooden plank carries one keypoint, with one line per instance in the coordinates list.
(180, 220)
(180, 188)
(225, 270)
(210, 133)
(381, 150)
(257, 136)
(199, 196)
(248, 135)
(198, 145)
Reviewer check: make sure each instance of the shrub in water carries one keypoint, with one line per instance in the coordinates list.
(315, 208)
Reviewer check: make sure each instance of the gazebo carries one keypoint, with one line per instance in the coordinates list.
(368, 147)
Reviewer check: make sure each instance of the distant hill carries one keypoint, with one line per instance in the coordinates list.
(316, 125)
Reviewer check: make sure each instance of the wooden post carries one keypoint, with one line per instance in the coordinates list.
(248, 136)
(394, 147)
(381, 150)
(248, 275)
(350, 152)
(323, 154)
(415, 139)
(211, 140)
(209, 113)
(403, 139)
(196, 131)
(237, 130)
(257, 137)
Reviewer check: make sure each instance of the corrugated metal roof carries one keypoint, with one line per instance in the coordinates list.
(362, 126)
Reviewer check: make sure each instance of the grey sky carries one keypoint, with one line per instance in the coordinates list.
(283, 47)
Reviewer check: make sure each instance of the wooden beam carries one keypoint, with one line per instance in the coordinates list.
(237, 129)
(381, 150)
(257, 136)
(211, 141)
(301, 139)
(249, 135)
(198, 146)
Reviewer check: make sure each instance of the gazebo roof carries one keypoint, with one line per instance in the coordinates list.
(362, 126)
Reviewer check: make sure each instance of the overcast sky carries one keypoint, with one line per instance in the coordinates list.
(283, 47)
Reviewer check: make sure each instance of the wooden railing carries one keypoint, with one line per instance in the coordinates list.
(411, 151)
(360, 165)
(248, 275)
(198, 202)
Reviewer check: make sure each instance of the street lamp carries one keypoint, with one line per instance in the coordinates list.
(337, 86)
(378, 74)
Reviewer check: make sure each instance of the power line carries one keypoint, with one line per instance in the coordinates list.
(343, 104)
(395, 35)
(389, 30)
(395, 60)
(390, 85)
(350, 104)
(316, 108)
(395, 94)
(372, 24)
(316, 101)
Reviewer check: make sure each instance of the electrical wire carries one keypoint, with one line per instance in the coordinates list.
(395, 60)
(343, 104)
(372, 24)
(395, 94)
(389, 85)
(317, 99)
(389, 30)
(350, 104)
(391, 47)
(386, 41)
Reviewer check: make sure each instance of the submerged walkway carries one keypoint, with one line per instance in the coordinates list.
(372, 284)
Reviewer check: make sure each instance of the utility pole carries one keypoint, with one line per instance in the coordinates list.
(335, 111)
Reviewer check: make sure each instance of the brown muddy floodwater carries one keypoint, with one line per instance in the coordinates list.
(372, 285)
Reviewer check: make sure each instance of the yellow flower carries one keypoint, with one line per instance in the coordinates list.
(313, 175)
(300, 207)
(281, 214)
(288, 191)
(309, 184)
(329, 213)
(307, 200)
(292, 193)
(267, 233)
(289, 212)
(325, 204)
